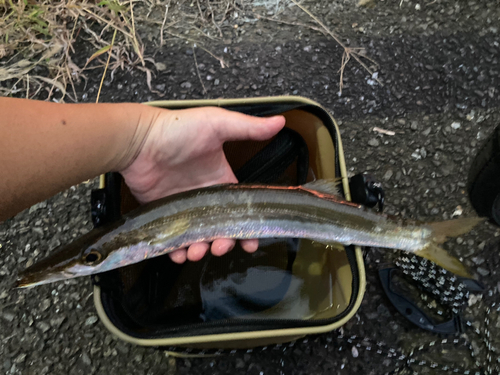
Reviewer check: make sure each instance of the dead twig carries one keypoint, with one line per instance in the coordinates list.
(348, 51)
(213, 20)
(223, 64)
(106, 67)
(109, 23)
(163, 23)
(290, 23)
(197, 70)
(345, 59)
(134, 39)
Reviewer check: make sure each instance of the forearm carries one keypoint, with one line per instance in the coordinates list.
(48, 147)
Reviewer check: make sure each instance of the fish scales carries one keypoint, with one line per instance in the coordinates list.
(230, 211)
(261, 206)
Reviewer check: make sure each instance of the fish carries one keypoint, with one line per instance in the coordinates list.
(312, 211)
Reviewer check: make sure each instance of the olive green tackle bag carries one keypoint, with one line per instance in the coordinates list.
(286, 290)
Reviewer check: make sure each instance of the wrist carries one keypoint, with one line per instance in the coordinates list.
(139, 124)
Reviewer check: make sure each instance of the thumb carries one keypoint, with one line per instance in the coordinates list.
(234, 126)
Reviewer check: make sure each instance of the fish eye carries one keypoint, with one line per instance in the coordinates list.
(92, 258)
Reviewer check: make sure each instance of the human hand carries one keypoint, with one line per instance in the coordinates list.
(182, 150)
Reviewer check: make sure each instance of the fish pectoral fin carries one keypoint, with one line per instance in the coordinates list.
(327, 185)
(443, 259)
(175, 229)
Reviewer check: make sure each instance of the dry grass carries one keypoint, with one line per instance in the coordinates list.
(43, 34)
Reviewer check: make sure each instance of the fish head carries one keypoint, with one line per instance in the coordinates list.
(85, 256)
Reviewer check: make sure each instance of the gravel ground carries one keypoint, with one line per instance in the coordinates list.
(440, 65)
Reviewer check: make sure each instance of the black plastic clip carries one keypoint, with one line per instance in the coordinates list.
(367, 191)
(105, 203)
(98, 206)
(414, 314)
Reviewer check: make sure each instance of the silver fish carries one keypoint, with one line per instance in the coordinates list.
(239, 211)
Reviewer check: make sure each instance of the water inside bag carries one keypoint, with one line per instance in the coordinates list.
(284, 279)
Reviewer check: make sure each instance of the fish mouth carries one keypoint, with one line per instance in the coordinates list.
(64, 263)
(45, 271)
(29, 280)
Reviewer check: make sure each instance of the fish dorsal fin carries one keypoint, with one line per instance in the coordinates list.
(327, 185)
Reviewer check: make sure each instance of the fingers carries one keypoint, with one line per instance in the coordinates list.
(198, 250)
(178, 256)
(222, 246)
(232, 126)
(250, 246)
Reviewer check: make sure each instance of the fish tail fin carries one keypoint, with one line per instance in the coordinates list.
(444, 259)
(453, 228)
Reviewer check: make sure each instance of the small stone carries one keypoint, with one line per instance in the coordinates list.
(20, 358)
(86, 360)
(383, 311)
(122, 348)
(388, 175)
(37, 206)
(455, 125)
(8, 316)
(42, 326)
(308, 48)
(427, 131)
(239, 363)
(160, 66)
(91, 320)
(373, 142)
(482, 271)
(354, 352)
(161, 87)
(54, 242)
(414, 125)
(45, 304)
(473, 299)
(56, 322)
(216, 82)
(186, 85)
(478, 260)
(7, 364)
(401, 121)
(416, 154)
(372, 315)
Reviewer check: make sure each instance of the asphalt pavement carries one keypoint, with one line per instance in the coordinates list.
(439, 63)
